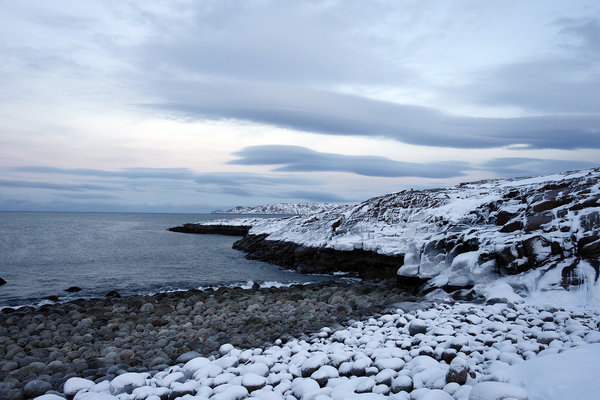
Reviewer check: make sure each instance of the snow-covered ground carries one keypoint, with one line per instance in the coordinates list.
(537, 234)
(441, 351)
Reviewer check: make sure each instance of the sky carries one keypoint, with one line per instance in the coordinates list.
(191, 106)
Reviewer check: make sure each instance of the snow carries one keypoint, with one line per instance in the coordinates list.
(225, 349)
(436, 394)
(251, 380)
(94, 396)
(571, 374)
(502, 292)
(194, 365)
(74, 385)
(498, 391)
(49, 397)
(126, 382)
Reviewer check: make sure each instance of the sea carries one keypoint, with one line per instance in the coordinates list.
(44, 253)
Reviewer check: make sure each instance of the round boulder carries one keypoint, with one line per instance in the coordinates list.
(36, 388)
(417, 326)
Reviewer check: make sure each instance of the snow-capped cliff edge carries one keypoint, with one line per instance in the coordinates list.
(543, 230)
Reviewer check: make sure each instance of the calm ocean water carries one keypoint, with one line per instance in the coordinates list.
(42, 254)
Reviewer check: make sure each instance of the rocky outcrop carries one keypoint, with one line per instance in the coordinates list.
(2, 282)
(469, 234)
(314, 260)
(230, 230)
(452, 238)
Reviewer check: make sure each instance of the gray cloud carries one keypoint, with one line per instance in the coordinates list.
(128, 173)
(315, 196)
(331, 113)
(87, 196)
(290, 187)
(275, 41)
(53, 186)
(522, 166)
(97, 205)
(564, 81)
(229, 64)
(302, 159)
(242, 178)
(274, 186)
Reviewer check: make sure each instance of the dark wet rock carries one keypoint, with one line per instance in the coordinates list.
(402, 383)
(551, 204)
(458, 372)
(73, 289)
(36, 388)
(589, 246)
(179, 393)
(534, 222)
(503, 217)
(113, 294)
(304, 259)
(416, 326)
(14, 394)
(187, 357)
(2, 282)
(512, 227)
(212, 229)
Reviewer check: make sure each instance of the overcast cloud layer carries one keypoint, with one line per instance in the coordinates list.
(191, 106)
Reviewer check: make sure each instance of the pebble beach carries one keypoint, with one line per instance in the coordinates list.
(98, 339)
(332, 341)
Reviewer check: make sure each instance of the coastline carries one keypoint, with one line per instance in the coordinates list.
(100, 338)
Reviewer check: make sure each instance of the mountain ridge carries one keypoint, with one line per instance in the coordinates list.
(280, 209)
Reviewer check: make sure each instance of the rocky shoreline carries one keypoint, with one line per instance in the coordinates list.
(314, 260)
(308, 260)
(229, 230)
(97, 339)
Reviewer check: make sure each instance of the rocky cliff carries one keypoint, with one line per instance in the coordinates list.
(458, 237)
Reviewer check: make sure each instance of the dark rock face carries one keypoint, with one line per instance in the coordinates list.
(212, 229)
(503, 217)
(303, 259)
(2, 282)
(512, 227)
(73, 289)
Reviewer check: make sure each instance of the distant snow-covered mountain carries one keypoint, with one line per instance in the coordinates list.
(281, 209)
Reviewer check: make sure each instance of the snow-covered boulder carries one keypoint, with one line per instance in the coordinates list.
(125, 383)
(74, 385)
